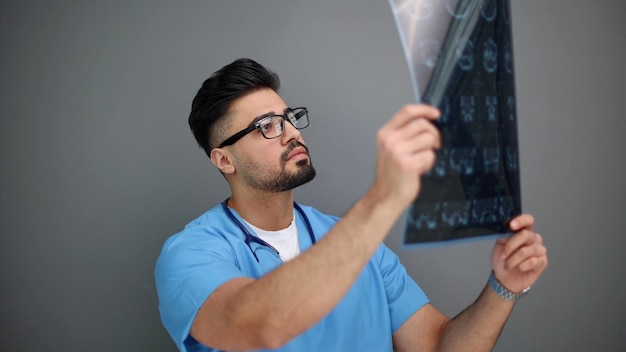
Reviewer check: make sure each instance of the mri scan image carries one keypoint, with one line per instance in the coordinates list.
(460, 59)
(489, 9)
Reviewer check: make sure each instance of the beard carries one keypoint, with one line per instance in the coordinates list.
(285, 180)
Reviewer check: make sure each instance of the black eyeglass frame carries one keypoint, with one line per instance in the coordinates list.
(299, 112)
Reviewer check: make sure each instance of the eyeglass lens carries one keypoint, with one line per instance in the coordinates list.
(274, 126)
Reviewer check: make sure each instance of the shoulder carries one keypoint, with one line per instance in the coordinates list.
(205, 232)
(215, 216)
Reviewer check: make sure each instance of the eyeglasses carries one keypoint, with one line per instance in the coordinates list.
(272, 126)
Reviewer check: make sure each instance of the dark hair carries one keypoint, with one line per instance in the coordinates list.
(213, 100)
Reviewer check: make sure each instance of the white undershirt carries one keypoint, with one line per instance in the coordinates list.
(285, 241)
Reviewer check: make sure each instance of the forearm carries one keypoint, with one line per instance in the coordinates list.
(478, 327)
(323, 275)
(517, 262)
(272, 310)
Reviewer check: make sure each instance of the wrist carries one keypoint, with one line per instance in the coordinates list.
(504, 292)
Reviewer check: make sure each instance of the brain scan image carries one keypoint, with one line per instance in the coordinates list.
(490, 55)
(510, 104)
(508, 58)
(462, 160)
(445, 111)
(485, 210)
(425, 218)
(460, 59)
(511, 158)
(489, 9)
(491, 105)
(459, 8)
(465, 53)
(506, 17)
(505, 208)
(439, 169)
(491, 160)
(473, 188)
(455, 213)
(468, 108)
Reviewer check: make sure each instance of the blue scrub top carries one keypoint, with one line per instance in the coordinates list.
(211, 250)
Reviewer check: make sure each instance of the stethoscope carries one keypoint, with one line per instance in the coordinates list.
(251, 238)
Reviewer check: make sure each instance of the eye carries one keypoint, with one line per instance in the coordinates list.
(270, 126)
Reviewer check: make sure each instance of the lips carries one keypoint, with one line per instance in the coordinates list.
(296, 152)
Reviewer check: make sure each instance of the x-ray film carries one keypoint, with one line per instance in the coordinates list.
(460, 57)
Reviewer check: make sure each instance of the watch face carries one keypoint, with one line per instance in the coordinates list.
(460, 56)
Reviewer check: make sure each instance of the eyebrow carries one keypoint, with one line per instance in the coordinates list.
(267, 114)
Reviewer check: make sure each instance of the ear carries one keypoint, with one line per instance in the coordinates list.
(222, 159)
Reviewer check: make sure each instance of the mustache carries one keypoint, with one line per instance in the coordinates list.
(293, 145)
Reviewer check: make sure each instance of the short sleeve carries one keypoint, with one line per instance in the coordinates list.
(191, 266)
(404, 295)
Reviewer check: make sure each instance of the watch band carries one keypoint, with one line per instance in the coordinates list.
(503, 291)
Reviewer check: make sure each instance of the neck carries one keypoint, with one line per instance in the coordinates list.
(267, 211)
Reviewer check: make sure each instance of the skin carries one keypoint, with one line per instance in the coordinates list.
(245, 313)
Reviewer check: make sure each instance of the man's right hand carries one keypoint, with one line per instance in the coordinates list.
(406, 147)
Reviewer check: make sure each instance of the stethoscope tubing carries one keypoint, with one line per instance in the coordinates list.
(252, 238)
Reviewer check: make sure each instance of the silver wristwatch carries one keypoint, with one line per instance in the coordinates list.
(503, 291)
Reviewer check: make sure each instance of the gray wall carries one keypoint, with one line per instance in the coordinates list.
(98, 167)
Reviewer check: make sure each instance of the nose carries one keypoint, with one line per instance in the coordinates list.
(291, 132)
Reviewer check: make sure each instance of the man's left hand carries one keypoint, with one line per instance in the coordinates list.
(519, 260)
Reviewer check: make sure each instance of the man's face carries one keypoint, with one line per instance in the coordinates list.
(270, 165)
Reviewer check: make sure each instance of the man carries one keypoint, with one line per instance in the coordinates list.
(261, 272)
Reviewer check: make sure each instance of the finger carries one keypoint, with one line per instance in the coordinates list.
(416, 135)
(418, 156)
(519, 239)
(523, 254)
(419, 128)
(426, 140)
(405, 126)
(416, 126)
(537, 264)
(409, 112)
(424, 161)
(503, 240)
(404, 150)
(522, 221)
